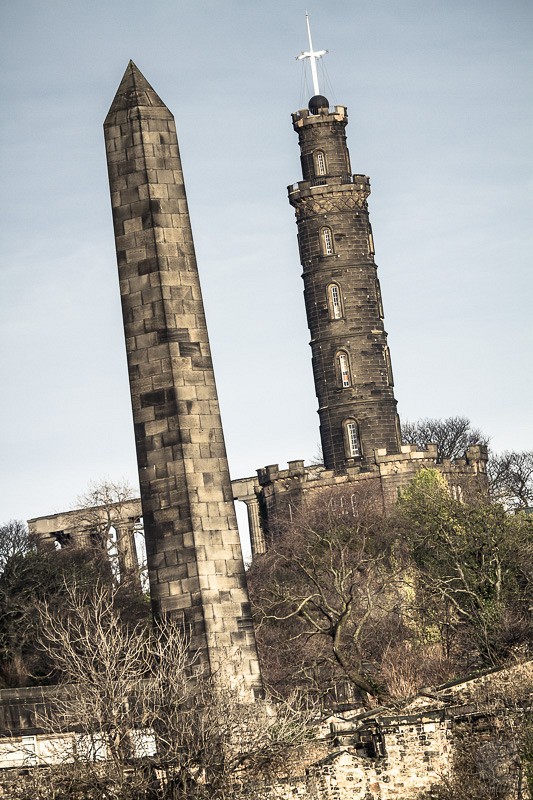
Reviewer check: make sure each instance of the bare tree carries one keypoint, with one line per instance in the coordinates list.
(492, 757)
(451, 435)
(14, 540)
(97, 533)
(511, 478)
(107, 518)
(25, 581)
(132, 720)
(348, 598)
(331, 587)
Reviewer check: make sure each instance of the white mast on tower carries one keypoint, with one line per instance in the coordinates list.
(313, 56)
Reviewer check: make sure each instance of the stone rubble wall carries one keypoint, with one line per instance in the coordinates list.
(418, 751)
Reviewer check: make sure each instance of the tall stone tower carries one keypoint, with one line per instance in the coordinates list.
(351, 360)
(194, 554)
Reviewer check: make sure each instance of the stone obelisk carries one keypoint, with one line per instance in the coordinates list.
(194, 554)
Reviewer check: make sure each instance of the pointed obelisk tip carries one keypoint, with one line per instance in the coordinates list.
(134, 91)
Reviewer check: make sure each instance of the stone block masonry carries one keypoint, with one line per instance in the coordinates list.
(194, 555)
(280, 492)
(351, 360)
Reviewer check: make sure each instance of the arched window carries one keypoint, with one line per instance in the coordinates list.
(334, 299)
(326, 238)
(352, 442)
(457, 493)
(320, 162)
(344, 377)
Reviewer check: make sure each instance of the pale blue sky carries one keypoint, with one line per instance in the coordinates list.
(440, 106)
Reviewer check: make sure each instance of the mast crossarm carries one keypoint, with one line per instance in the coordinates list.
(313, 56)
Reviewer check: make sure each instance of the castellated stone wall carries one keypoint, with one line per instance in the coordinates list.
(281, 491)
(274, 494)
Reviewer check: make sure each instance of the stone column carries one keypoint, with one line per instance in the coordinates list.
(128, 563)
(257, 537)
(193, 549)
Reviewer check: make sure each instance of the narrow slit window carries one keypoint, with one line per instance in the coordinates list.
(398, 431)
(370, 241)
(343, 370)
(388, 365)
(351, 439)
(320, 162)
(380, 301)
(327, 241)
(334, 301)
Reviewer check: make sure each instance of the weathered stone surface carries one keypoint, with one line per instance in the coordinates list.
(385, 754)
(331, 202)
(185, 486)
(280, 492)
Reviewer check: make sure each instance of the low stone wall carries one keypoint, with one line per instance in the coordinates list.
(377, 755)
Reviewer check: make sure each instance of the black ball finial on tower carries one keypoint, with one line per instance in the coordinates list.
(317, 102)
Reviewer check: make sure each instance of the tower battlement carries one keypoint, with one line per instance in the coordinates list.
(329, 193)
(325, 114)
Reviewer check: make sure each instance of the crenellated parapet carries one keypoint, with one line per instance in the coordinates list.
(280, 492)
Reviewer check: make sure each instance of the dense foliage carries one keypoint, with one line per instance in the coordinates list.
(377, 605)
(351, 604)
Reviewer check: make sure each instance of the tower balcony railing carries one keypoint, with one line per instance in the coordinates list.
(322, 180)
